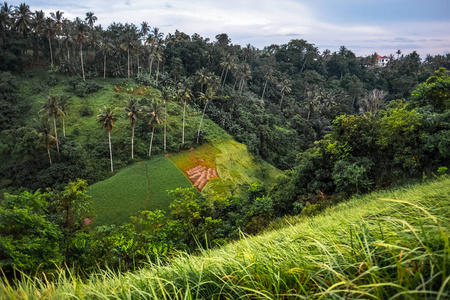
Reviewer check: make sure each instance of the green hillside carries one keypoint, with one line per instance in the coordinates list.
(125, 194)
(390, 244)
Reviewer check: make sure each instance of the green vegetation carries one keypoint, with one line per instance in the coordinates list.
(125, 194)
(384, 245)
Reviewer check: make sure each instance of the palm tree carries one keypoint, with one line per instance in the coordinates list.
(244, 74)
(156, 118)
(268, 76)
(312, 101)
(6, 12)
(129, 39)
(227, 63)
(49, 31)
(152, 40)
(105, 47)
(285, 87)
(208, 96)
(203, 76)
(23, 16)
(81, 38)
(185, 94)
(37, 26)
(44, 132)
(133, 112)
(58, 18)
(144, 28)
(159, 57)
(63, 105)
(52, 107)
(107, 119)
(90, 19)
(168, 94)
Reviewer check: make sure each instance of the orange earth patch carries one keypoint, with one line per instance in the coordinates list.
(200, 175)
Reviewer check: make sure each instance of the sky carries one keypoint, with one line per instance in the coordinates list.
(363, 26)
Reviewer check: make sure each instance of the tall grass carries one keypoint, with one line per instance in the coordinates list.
(387, 245)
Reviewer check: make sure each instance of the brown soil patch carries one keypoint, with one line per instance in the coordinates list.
(200, 175)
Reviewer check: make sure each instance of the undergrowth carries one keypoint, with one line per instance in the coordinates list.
(386, 245)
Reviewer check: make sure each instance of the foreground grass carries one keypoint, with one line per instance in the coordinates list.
(124, 194)
(387, 245)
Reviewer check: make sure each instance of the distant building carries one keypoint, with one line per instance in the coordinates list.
(382, 61)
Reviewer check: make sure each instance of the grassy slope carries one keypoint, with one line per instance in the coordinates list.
(123, 195)
(364, 248)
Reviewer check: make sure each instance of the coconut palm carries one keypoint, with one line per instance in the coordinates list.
(81, 39)
(37, 26)
(227, 63)
(133, 111)
(52, 107)
(63, 105)
(268, 76)
(156, 118)
(286, 87)
(58, 18)
(23, 16)
(144, 29)
(208, 96)
(105, 47)
(107, 119)
(168, 94)
(90, 19)
(203, 76)
(312, 99)
(49, 29)
(129, 39)
(159, 57)
(44, 129)
(186, 95)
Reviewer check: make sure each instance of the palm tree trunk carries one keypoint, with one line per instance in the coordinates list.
(138, 62)
(128, 61)
(104, 66)
(151, 64)
(309, 112)
(56, 133)
(264, 91)
(110, 151)
(282, 96)
(157, 73)
(81, 56)
(235, 81)
(132, 142)
(225, 79)
(165, 125)
(184, 117)
(68, 53)
(221, 75)
(151, 142)
(200, 126)
(51, 54)
(64, 128)
(48, 151)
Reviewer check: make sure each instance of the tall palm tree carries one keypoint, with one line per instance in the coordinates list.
(144, 29)
(49, 31)
(129, 38)
(44, 132)
(268, 76)
(107, 119)
(81, 39)
(203, 76)
(186, 95)
(159, 57)
(208, 96)
(227, 63)
(6, 20)
(37, 27)
(105, 47)
(312, 99)
(133, 111)
(286, 87)
(90, 19)
(59, 20)
(156, 116)
(63, 105)
(53, 109)
(245, 74)
(168, 94)
(23, 16)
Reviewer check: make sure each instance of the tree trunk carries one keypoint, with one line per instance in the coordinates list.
(110, 151)
(51, 54)
(264, 91)
(157, 73)
(132, 142)
(128, 61)
(235, 81)
(64, 128)
(184, 117)
(48, 151)
(56, 133)
(225, 79)
(138, 63)
(68, 53)
(104, 66)
(81, 56)
(151, 64)
(165, 125)
(221, 75)
(151, 142)
(282, 96)
(201, 120)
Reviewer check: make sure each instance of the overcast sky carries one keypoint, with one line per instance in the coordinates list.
(363, 26)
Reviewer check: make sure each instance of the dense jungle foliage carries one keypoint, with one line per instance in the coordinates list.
(336, 123)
